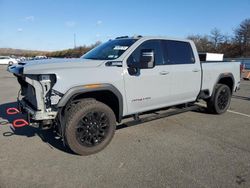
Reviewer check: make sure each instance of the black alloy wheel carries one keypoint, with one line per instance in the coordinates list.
(92, 129)
(90, 126)
(220, 100)
(223, 99)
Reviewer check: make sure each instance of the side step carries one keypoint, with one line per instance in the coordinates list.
(139, 120)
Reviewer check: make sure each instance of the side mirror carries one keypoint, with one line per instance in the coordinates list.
(147, 59)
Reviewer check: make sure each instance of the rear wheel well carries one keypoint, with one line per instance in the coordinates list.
(227, 81)
(105, 96)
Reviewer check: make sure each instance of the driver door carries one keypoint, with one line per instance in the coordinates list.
(150, 87)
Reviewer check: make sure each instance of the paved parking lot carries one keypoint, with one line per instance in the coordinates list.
(193, 149)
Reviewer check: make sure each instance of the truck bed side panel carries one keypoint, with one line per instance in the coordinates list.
(212, 72)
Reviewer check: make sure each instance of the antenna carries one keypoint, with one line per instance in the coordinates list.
(74, 40)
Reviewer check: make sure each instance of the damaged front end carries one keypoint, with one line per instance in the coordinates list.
(36, 98)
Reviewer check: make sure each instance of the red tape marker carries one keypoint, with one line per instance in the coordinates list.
(20, 123)
(12, 111)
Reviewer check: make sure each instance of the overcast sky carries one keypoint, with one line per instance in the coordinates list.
(50, 25)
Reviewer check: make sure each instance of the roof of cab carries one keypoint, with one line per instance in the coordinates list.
(153, 37)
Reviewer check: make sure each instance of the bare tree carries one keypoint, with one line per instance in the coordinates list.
(216, 38)
(242, 37)
(227, 39)
(202, 43)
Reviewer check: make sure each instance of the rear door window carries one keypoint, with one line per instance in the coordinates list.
(177, 52)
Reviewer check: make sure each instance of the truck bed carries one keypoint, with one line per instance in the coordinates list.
(213, 70)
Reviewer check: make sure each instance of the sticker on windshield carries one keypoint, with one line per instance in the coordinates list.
(120, 48)
(111, 56)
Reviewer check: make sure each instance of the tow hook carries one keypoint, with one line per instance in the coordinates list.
(12, 111)
(18, 122)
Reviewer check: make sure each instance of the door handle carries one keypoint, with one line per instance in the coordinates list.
(164, 72)
(196, 70)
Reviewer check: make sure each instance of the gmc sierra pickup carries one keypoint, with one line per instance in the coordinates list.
(84, 98)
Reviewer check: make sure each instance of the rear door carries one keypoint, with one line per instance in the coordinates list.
(185, 71)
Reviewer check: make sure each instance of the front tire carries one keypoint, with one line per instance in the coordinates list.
(90, 126)
(220, 100)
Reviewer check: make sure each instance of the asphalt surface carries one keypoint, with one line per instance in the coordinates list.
(192, 149)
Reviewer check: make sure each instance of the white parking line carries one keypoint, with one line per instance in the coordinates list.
(231, 111)
(234, 112)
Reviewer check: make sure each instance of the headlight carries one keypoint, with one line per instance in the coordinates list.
(44, 78)
(47, 81)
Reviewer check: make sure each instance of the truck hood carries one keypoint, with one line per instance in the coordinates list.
(49, 65)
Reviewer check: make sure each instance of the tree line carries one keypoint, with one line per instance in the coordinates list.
(237, 45)
(72, 53)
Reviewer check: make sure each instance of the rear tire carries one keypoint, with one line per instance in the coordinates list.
(90, 126)
(220, 100)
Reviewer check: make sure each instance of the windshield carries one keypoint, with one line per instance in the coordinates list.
(109, 50)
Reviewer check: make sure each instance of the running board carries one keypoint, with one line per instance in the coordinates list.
(157, 116)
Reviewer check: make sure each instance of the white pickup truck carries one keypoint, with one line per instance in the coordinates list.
(85, 98)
